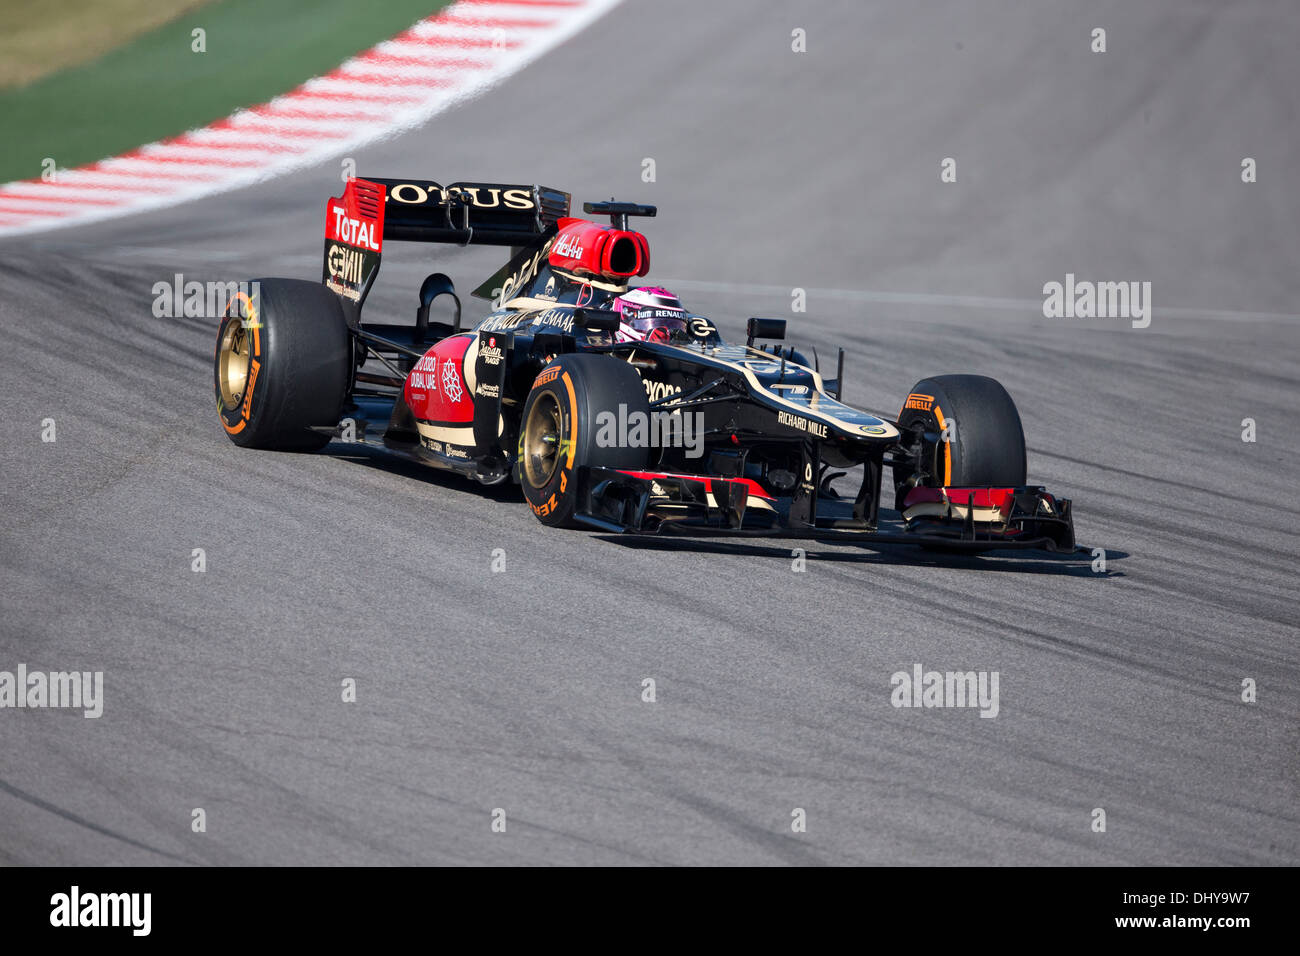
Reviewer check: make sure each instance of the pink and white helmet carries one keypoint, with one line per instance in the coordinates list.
(650, 314)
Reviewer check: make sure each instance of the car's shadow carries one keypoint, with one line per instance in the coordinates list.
(1077, 564)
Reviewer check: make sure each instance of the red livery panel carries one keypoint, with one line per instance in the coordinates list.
(755, 489)
(357, 217)
(436, 389)
(1000, 498)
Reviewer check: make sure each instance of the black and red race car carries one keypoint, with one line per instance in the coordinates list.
(685, 433)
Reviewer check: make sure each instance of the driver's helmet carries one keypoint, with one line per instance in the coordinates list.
(649, 314)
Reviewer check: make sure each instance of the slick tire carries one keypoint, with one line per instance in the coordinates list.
(559, 430)
(987, 443)
(282, 366)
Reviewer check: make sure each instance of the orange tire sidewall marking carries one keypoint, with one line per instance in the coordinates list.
(250, 322)
(573, 420)
(947, 448)
(550, 504)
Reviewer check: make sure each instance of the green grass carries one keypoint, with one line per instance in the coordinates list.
(34, 44)
(155, 86)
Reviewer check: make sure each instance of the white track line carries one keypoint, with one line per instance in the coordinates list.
(1017, 307)
(396, 85)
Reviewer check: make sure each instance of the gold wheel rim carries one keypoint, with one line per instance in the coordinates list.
(234, 360)
(542, 441)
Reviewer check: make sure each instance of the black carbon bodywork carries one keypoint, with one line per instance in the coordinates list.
(760, 437)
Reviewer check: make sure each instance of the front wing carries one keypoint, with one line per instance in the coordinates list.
(958, 519)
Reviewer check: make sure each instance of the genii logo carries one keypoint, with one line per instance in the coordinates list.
(344, 264)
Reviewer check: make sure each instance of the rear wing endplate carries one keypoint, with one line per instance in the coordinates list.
(354, 240)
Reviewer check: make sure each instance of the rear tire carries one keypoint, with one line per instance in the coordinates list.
(987, 446)
(282, 366)
(559, 430)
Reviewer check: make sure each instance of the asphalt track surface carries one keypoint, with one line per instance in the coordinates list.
(522, 690)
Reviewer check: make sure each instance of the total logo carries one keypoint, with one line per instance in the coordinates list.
(491, 355)
(355, 232)
(569, 247)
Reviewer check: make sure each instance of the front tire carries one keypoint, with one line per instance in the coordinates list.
(282, 365)
(985, 444)
(560, 424)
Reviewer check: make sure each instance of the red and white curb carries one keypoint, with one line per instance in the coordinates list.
(465, 49)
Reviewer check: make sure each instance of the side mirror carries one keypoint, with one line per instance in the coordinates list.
(764, 329)
(432, 287)
(597, 320)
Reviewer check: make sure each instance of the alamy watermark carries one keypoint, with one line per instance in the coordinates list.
(53, 689)
(1083, 299)
(178, 299)
(128, 910)
(922, 688)
(655, 429)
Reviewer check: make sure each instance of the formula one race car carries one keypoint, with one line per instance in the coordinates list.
(612, 407)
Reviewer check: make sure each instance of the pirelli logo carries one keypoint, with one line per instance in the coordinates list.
(547, 375)
(922, 403)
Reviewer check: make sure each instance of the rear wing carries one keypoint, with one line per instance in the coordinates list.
(371, 211)
(494, 214)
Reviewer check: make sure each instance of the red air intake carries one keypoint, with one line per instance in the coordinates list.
(586, 248)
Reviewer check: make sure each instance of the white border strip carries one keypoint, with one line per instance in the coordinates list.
(1016, 306)
(466, 49)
